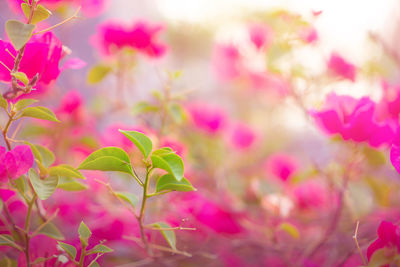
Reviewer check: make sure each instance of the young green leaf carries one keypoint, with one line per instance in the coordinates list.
(168, 182)
(177, 113)
(42, 154)
(169, 235)
(20, 76)
(289, 229)
(39, 113)
(131, 199)
(110, 151)
(66, 170)
(20, 184)
(43, 188)
(71, 250)
(19, 33)
(98, 73)
(141, 141)
(52, 231)
(23, 103)
(169, 162)
(3, 102)
(144, 107)
(84, 233)
(70, 184)
(41, 13)
(100, 248)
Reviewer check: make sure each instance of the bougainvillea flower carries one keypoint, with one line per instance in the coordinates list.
(281, 166)
(71, 107)
(209, 213)
(260, 35)
(207, 118)
(389, 105)
(342, 68)
(141, 36)
(310, 194)
(15, 162)
(388, 237)
(242, 136)
(226, 61)
(309, 35)
(354, 119)
(42, 56)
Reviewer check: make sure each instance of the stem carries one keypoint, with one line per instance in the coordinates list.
(74, 16)
(358, 245)
(83, 254)
(5, 131)
(142, 210)
(27, 226)
(159, 193)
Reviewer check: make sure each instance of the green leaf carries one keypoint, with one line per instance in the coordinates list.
(39, 113)
(131, 199)
(110, 151)
(107, 163)
(379, 258)
(66, 170)
(289, 229)
(19, 33)
(6, 240)
(43, 188)
(20, 184)
(70, 184)
(1, 205)
(374, 157)
(3, 102)
(177, 112)
(23, 103)
(52, 231)
(20, 76)
(71, 250)
(99, 249)
(169, 162)
(94, 264)
(98, 73)
(41, 13)
(42, 154)
(144, 107)
(169, 235)
(84, 233)
(168, 182)
(141, 141)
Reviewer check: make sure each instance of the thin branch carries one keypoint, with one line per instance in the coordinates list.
(5, 66)
(61, 23)
(358, 245)
(52, 217)
(170, 228)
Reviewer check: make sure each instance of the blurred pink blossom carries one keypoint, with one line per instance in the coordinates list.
(208, 118)
(242, 136)
(342, 68)
(309, 35)
(310, 194)
(15, 162)
(354, 119)
(227, 61)
(260, 35)
(281, 166)
(388, 237)
(140, 36)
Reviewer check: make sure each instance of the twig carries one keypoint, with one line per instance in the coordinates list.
(61, 23)
(358, 246)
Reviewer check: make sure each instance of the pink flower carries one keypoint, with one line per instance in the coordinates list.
(260, 35)
(227, 61)
(207, 118)
(209, 213)
(140, 36)
(15, 162)
(242, 136)
(342, 68)
(388, 237)
(389, 105)
(272, 83)
(42, 56)
(354, 119)
(281, 166)
(309, 35)
(310, 194)
(71, 107)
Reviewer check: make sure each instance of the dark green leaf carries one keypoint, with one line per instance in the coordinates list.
(43, 188)
(71, 250)
(19, 33)
(141, 141)
(169, 235)
(39, 113)
(168, 182)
